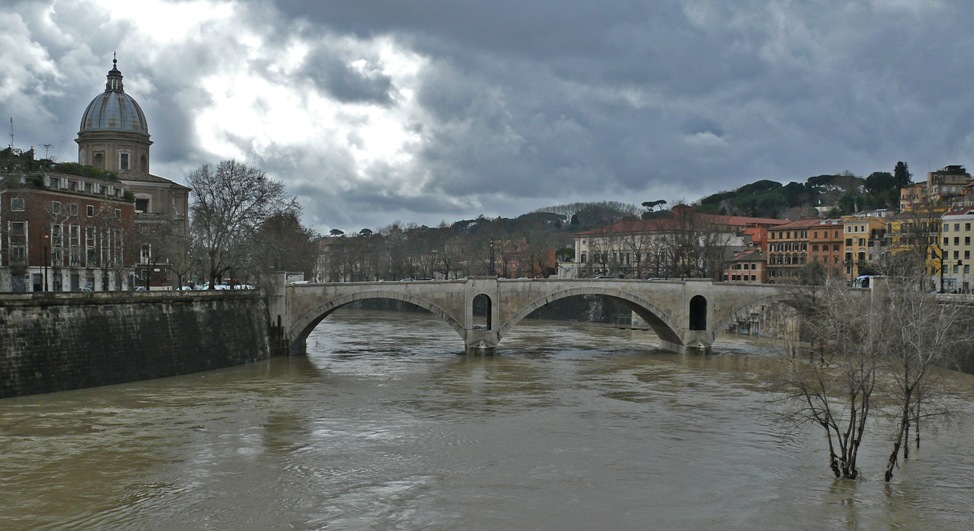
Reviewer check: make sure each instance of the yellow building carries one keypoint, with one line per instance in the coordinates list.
(955, 240)
(865, 243)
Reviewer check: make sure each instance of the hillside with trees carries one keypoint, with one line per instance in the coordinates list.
(834, 194)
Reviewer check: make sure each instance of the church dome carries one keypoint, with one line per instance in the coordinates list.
(114, 110)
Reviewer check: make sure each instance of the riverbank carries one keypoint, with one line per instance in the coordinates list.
(64, 341)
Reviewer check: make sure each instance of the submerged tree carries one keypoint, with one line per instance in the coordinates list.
(885, 345)
(926, 337)
(833, 387)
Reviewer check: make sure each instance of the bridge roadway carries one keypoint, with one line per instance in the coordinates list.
(686, 314)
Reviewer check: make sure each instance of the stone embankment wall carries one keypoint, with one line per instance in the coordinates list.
(57, 342)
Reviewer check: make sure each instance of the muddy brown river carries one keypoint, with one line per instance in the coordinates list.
(386, 425)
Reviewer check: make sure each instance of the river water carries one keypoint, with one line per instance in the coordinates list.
(384, 426)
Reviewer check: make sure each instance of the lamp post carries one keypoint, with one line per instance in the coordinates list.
(493, 270)
(960, 265)
(46, 239)
(941, 257)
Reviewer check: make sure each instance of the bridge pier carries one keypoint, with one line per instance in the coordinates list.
(481, 342)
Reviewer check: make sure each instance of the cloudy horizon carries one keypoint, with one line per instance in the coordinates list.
(373, 112)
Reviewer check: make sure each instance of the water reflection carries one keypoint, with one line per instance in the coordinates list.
(384, 425)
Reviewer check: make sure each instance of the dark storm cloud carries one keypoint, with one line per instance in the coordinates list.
(518, 105)
(337, 78)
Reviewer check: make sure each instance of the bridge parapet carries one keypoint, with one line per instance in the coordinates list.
(683, 313)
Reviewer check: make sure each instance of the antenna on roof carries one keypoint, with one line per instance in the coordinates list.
(47, 148)
(11, 132)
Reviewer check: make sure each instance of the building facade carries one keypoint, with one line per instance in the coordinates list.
(688, 244)
(956, 237)
(63, 232)
(114, 136)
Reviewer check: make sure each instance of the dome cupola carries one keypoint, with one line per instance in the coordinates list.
(114, 134)
(114, 110)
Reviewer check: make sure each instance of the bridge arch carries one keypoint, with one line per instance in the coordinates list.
(658, 320)
(302, 327)
(726, 320)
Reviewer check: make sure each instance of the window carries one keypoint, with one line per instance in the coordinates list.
(118, 213)
(123, 161)
(946, 227)
(73, 186)
(967, 227)
(73, 209)
(141, 205)
(956, 227)
(17, 228)
(18, 252)
(55, 207)
(90, 210)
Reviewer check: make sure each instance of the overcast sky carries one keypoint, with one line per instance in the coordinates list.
(428, 111)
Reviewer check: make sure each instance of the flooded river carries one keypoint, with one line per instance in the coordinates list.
(385, 426)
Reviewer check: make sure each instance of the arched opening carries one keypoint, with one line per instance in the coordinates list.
(386, 300)
(698, 313)
(482, 309)
(600, 305)
(99, 161)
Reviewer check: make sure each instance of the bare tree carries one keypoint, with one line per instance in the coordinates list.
(230, 202)
(833, 388)
(892, 343)
(925, 337)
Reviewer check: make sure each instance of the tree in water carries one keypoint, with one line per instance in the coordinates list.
(888, 345)
(832, 388)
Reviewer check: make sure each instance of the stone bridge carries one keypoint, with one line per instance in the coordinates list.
(685, 314)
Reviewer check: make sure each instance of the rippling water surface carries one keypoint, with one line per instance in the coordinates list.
(386, 425)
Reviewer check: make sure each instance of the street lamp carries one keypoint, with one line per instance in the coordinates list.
(46, 239)
(493, 270)
(960, 266)
(940, 256)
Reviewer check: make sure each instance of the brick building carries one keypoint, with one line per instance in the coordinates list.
(63, 232)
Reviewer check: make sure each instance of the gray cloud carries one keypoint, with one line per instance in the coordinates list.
(430, 111)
